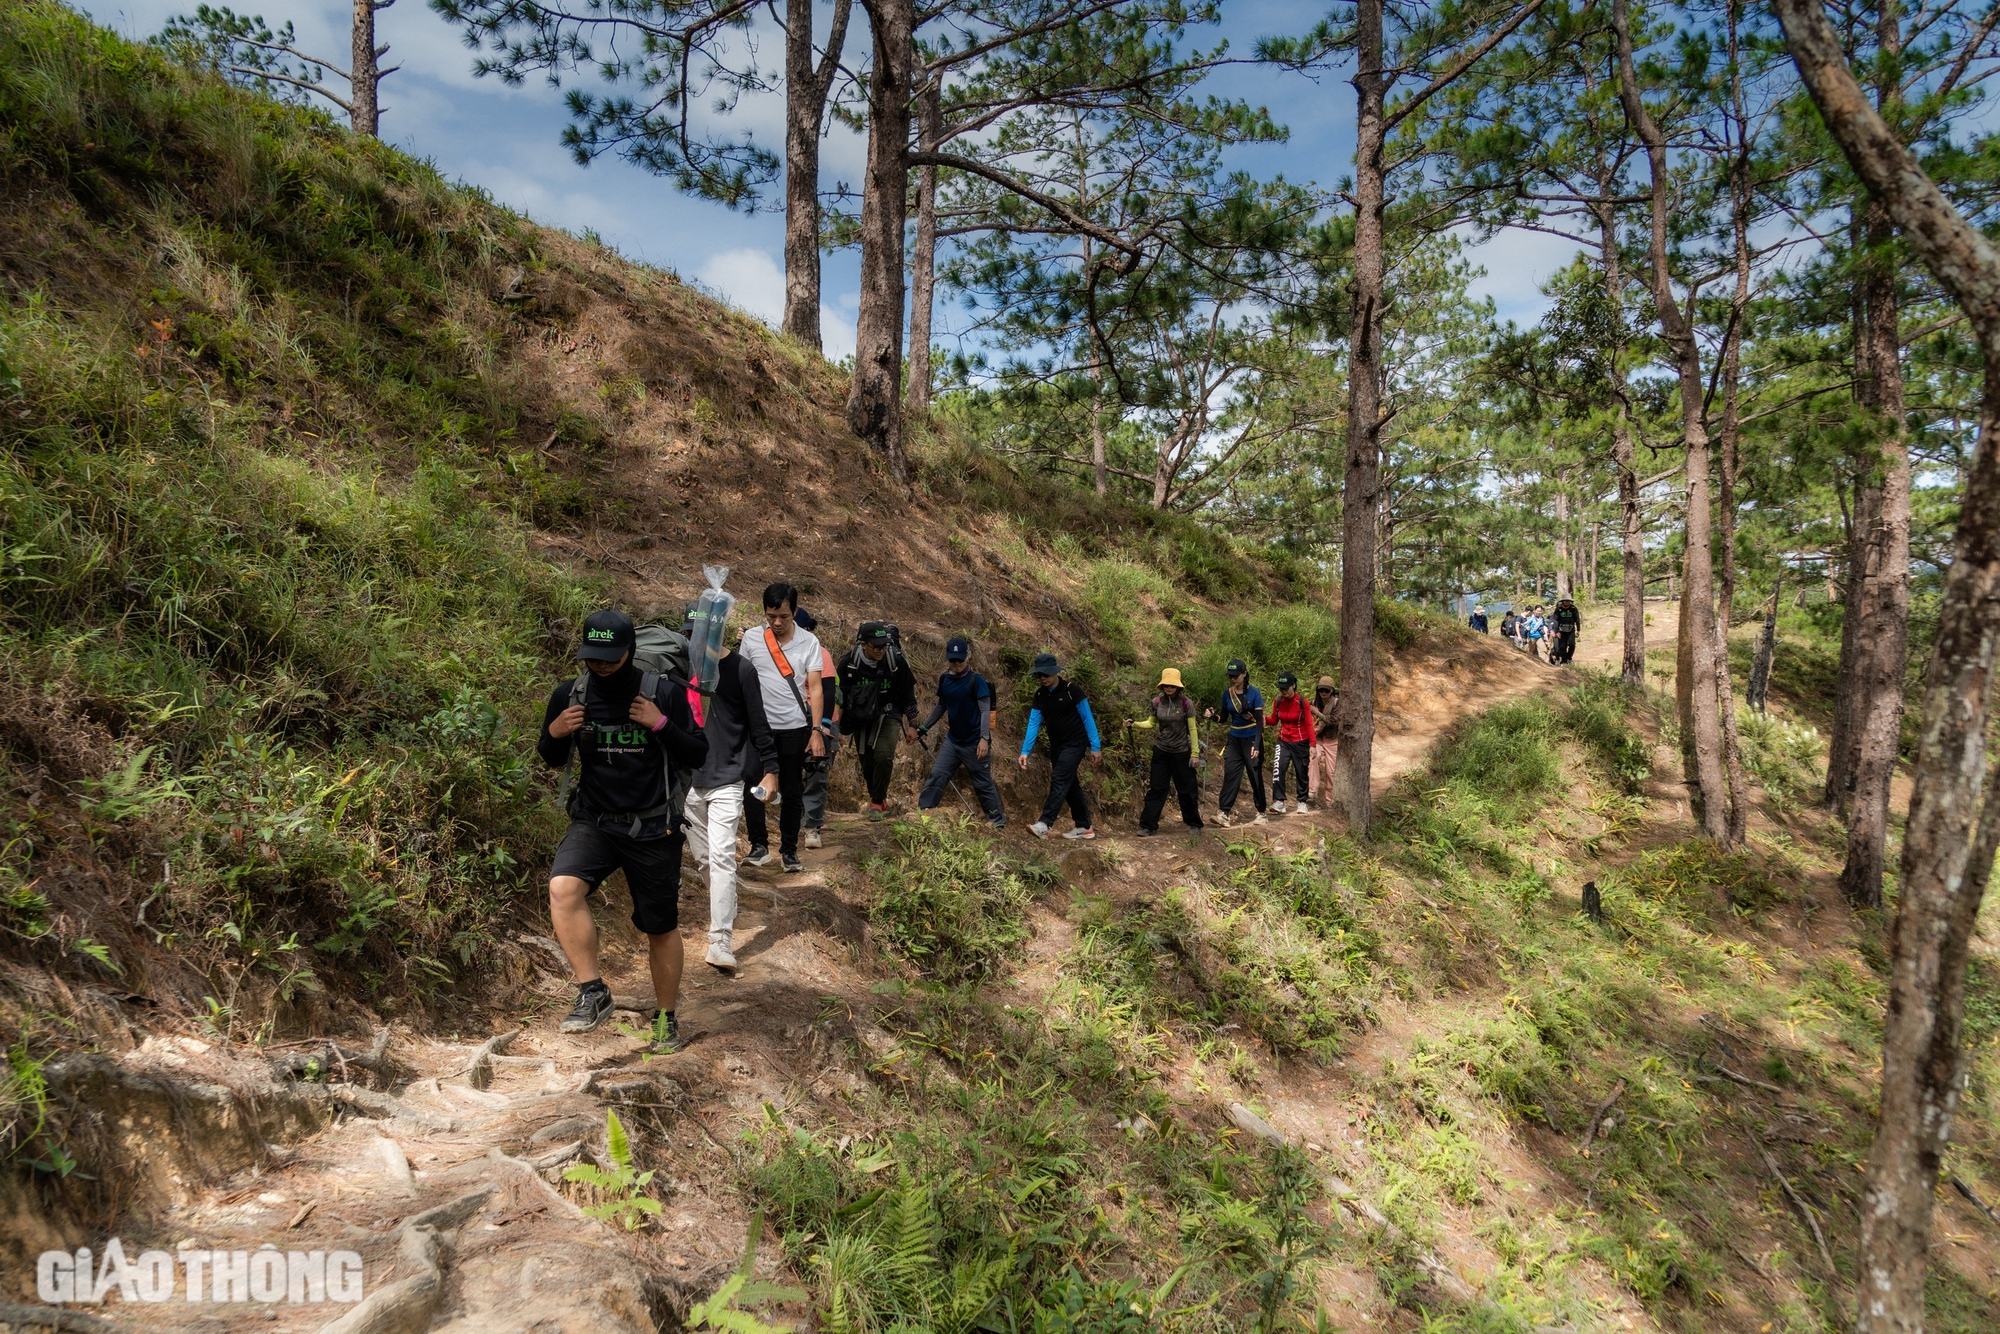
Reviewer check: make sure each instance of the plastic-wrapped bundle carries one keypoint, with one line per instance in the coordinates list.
(709, 625)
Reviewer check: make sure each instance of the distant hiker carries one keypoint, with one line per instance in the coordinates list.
(1534, 631)
(1061, 707)
(819, 773)
(788, 662)
(635, 743)
(1242, 711)
(965, 701)
(878, 694)
(1291, 714)
(742, 754)
(1176, 744)
(1478, 620)
(1510, 628)
(1567, 622)
(1326, 739)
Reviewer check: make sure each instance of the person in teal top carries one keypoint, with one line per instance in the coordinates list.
(1243, 712)
(1061, 708)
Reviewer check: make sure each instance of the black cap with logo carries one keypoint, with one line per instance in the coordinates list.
(607, 636)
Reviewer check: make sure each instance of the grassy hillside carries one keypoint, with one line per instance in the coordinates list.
(312, 460)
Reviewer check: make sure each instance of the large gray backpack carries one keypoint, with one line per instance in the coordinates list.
(660, 655)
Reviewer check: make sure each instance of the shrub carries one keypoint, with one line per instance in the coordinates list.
(1595, 716)
(950, 902)
(1688, 874)
(1786, 758)
(1299, 638)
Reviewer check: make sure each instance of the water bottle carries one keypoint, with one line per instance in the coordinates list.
(708, 635)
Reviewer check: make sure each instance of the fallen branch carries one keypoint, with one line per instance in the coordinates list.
(1597, 1118)
(330, 1055)
(1973, 1198)
(1812, 1221)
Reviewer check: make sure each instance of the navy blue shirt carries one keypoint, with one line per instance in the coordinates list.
(964, 699)
(1249, 722)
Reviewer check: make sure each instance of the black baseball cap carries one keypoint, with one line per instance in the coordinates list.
(1287, 679)
(1236, 668)
(957, 650)
(877, 635)
(607, 636)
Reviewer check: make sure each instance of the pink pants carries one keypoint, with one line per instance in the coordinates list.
(1320, 768)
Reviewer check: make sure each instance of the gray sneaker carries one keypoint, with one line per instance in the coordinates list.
(811, 839)
(593, 1007)
(759, 856)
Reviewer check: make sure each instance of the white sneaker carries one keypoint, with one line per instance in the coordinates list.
(1223, 818)
(1305, 808)
(1277, 808)
(720, 957)
(1038, 829)
(1081, 833)
(1260, 819)
(812, 838)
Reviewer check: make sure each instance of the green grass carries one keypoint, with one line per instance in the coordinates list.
(949, 902)
(261, 544)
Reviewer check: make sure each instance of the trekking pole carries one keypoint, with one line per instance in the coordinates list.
(951, 782)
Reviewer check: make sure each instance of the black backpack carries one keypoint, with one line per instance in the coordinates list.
(862, 697)
(662, 655)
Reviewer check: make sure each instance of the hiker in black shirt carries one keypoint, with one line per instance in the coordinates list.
(877, 691)
(1568, 620)
(628, 745)
(1061, 708)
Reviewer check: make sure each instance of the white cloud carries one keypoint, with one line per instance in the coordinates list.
(755, 283)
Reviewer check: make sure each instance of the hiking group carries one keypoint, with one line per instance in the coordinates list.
(680, 740)
(1541, 634)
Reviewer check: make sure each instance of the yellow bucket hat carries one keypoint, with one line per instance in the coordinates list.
(1171, 677)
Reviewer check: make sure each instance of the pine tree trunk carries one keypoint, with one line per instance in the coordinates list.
(806, 88)
(1361, 492)
(1631, 520)
(1767, 647)
(1100, 460)
(366, 83)
(1954, 822)
(875, 403)
(1879, 587)
(923, 265)
(1704, 735)
(1563, 572)
(1842, 742)
(1732, 364)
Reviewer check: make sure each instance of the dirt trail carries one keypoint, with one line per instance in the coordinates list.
(444, 1125)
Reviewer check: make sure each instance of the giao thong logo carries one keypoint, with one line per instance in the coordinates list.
(267, 1274)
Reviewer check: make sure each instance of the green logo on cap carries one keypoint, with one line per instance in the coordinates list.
(600, 634)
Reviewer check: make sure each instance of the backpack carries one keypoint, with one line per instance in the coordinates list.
(658, 653)
(861, 698)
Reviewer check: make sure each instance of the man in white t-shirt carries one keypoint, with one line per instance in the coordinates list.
(788, 662)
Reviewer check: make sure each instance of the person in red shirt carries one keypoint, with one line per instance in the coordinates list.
(1292, 716)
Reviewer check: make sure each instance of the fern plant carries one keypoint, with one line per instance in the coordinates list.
(723, 1310)
(887, 1271)
(623, 1187)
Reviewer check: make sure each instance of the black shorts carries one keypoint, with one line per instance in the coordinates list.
(652, 870)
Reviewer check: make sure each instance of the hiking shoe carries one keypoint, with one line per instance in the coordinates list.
(1081, 833)
(1222, 818)
(791, 862)
(812, 838)
(760, 855)
(666, 1035)
(996, 825)
(1038, 829)
(1278, 808)
(720, 957)
(1261, 819)
(1147, 833)
(878, 810)
(593, 1007)
(1305, 808)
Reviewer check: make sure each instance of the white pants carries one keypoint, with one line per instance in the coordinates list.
(711, 817)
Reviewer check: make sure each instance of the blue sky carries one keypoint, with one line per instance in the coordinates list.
(506, 140)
